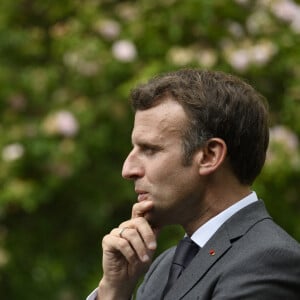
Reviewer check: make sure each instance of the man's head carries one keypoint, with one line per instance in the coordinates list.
(217, 105)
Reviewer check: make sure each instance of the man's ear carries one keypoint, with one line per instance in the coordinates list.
(211, 156)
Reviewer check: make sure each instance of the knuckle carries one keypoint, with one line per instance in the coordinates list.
(123, 224)
(122, 243)
(131, 233)
(105, 240)
(148, 237)
(113, 231)
(140, 221)
(130, 254)
(135, 206)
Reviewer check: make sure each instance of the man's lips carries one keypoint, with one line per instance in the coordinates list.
(142, 195)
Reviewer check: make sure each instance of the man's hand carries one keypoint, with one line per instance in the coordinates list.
(127, 254)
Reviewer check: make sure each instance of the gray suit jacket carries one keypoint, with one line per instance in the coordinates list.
(253, 258)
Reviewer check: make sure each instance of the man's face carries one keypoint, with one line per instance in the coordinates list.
(155, 164)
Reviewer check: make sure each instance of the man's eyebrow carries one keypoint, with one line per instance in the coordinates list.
(146, 144)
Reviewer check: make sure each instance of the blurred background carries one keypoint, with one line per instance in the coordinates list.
(66, 69)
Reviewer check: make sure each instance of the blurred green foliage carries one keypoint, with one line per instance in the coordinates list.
(66, 71)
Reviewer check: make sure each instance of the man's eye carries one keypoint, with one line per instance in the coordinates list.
(150, 150)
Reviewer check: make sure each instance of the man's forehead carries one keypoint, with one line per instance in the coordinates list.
(165, 111)
(158, 122)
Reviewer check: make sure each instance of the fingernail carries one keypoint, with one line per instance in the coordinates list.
(145, 258)
(152, 245)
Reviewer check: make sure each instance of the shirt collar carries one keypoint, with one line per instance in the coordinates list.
(207, 230)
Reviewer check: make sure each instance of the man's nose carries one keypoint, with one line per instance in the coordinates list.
(132, 167)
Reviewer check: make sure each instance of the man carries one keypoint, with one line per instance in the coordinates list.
(199, 141)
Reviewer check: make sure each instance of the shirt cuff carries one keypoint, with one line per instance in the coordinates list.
(92, 295)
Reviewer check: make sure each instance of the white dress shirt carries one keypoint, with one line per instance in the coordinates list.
(207, 230)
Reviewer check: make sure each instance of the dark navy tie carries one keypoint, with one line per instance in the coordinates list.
(185, 252)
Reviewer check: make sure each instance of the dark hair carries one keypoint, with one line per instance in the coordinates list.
(217, 105)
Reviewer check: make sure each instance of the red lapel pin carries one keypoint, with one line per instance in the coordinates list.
(212, 252)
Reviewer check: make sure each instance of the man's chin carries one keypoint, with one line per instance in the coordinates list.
(155, 219)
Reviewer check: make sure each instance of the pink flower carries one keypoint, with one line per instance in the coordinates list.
(124, 50)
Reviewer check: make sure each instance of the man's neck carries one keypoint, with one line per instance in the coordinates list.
(214, 204)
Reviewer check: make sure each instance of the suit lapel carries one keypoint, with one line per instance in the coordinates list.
(216, 247)
(202, 262)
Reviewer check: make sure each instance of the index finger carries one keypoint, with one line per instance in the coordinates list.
(140, 208)
(142, 227)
